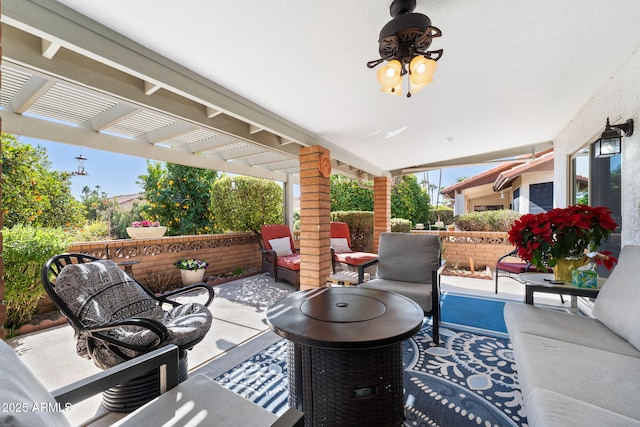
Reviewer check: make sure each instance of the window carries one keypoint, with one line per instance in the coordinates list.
(540, 197)
(516, 200)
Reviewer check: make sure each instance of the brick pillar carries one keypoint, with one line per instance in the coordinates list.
(315, 210)
(381, 208)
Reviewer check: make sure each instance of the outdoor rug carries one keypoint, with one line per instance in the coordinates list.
(467, 380)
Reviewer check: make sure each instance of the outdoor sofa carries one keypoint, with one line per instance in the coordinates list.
(582, 371)
(196, 401)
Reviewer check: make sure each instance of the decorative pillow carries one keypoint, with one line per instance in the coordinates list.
(617, 304)
(282, 246)
(340, 245)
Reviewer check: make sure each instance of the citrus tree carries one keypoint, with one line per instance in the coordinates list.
(178, 197)
(32, 194)
(409, 200)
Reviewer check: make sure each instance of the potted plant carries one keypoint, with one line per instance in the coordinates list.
(561, 238)
(191, 270)
(145, 230)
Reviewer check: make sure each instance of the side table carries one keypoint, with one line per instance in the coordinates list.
(345, 353)
(540, 282)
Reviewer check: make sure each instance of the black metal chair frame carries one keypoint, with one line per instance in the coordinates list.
(525, 269)
(96, 332)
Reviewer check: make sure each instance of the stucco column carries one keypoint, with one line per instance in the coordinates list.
(315, 210)
(381, 208)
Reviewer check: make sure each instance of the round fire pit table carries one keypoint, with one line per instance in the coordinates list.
(345, 353)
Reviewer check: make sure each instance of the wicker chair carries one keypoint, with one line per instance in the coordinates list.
(115, 318)
(341, 251)
(279, 255)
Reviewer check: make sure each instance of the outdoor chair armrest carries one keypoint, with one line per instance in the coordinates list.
(154, 326)
(368, 263)
(269, 254)
(291, 418)
(165, 297)
(510, 254)
(165, 359)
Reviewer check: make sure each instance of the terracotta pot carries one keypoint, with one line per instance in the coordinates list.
(563, 267)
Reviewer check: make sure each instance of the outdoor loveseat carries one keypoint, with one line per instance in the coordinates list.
(582, 371)
(199, 400)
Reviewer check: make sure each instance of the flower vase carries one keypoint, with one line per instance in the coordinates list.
(146, 232)
(189, 277)
(563, 267)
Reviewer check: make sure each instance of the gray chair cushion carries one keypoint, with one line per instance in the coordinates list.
(618, 303)
(100, 292)
(408, 257)
(25, 401)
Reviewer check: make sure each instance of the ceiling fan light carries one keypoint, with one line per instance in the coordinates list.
(395, 90)
(389, 76)
(421, 70)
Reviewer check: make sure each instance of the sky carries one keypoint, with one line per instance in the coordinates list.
(116, 174)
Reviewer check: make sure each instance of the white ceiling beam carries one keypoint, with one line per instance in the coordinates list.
(150, 88)
(32, 127)
(30, 93)
(253, 129)
(112, 116)
(167, 133)
(49, 48)
(211, 112)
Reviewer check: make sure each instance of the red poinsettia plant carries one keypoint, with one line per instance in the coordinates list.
(571, 232)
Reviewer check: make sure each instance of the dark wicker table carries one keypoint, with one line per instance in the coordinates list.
(345, 353)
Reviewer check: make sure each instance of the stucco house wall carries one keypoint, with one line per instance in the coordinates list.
(524, 182)
(619, 100)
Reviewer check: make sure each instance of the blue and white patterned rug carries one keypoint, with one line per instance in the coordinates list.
(467, 380)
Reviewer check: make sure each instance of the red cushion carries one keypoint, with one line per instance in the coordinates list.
(290, 262)
(276, 231)
(355, 258)
(341, 230)
(516, 267)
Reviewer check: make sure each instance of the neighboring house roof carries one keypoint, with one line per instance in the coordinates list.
(126, 201)
(543, 162)
(518, 166)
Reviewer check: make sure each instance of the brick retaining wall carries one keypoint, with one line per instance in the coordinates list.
(224, 252)
(482, 248)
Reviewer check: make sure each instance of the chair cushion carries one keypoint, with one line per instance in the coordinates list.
(618, 302)
(515, 267)
(421, 293)
(340, 245)
(25, 401)
(291, 262)
(276, 231)
(281, 246)
(408, 257)
(355, 258)
(341, 230)
(100, 292)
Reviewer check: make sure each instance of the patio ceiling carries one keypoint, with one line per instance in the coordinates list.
(241, 86)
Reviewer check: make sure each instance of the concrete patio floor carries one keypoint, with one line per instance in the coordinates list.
(239, 330)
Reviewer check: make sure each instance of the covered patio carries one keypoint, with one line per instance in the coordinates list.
(190, 85)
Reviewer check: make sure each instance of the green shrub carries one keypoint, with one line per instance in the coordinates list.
(441, 213)
(26, 249)
(94, 231)
(500, 220)
(360, 226)
(399, 225)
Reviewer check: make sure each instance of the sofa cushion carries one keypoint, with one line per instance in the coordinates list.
(564, 326)
(408, 257)
(24, 400)
(618, 303)
(355, 258)
(597, 377)
(548, 409)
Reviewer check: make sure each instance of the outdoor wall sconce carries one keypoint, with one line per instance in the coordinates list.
(610, 142)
